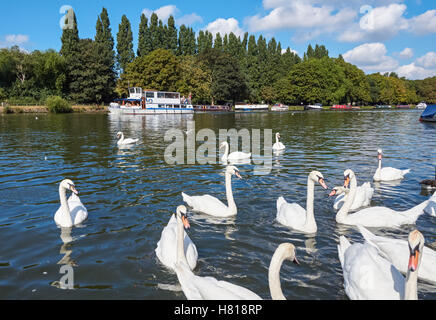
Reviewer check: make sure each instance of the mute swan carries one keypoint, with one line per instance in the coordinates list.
(295, 216)
(431, 207)
(209, 288)
(71, 212)
(375, 216)
(388, 173)
(429, 183)
(278, 145)
(234, 155)
(396, 251)
(363, 196)
(166, 249)
(123, 141)
(212, 206)
(367, 275)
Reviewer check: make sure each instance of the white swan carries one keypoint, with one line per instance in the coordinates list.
(397, 250)
(375, 216)
(212, 206)
(71, 212)
(369, 276)
(123, 141)
(278, 145)
(209, 288)
(363, 196)
(431, 207)
(295, 216)
(237, 155)
(166, 249)
(388, 173)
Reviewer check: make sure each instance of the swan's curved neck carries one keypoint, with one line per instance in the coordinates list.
(310, 219)
(379, 164)
(65, 209)
(411, 289)
(343, 212)
(181, 257)
(121, 138)
(229, 193)
(275, 287)
(277, 139)
(226, 151)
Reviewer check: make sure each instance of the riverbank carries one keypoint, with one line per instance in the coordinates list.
(44, 109)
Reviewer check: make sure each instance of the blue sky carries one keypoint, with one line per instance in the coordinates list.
(376, 35)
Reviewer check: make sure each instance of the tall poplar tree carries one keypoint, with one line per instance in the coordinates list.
(143, 37)
(124, 44)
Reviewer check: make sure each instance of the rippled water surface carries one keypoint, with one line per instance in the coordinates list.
(131, 193)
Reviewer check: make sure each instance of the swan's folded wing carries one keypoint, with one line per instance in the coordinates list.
(77, 210)
(292, 215)
(207, 204)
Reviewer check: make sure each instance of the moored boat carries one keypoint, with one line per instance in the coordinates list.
(251, 107)
(279, 107)
(429, 114)
(340, 107)
(209, 108)
(403, 106)
(421, 105)
(316, 106)
(383, 106)
(142, 102)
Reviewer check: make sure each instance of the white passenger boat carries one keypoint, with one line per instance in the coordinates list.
(251, 107)
(316, 106)
(141, 102)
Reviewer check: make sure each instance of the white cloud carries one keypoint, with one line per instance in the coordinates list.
(407, 53)
(225, 26)
(163, 12)
(16, 39)
(189, 19)
(371, 57)
(299, 14)
(414, 72)
(292, 50)
(424, 23)
(377, 24)
(427, 61)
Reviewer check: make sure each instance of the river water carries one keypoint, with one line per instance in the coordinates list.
(130, 194)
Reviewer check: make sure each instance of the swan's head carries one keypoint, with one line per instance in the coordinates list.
(338, 190)
(379, 151)
(233, 171)
(288, 251)
(119, 135)
(348, 175)
(67, 184)
(416, 246)
(183, 214)
(317, 176)
(223, 144)
(278, 135)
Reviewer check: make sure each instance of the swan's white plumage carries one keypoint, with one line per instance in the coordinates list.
(237, 155)
(363, 197)
(166, 249)
(397, 252)
(78, 213)
(388, 173)
(367, 275)
(277, 146)
(123, 141)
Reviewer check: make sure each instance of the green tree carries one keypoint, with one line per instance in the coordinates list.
(144, 39)
(124, 44)
(171, 38)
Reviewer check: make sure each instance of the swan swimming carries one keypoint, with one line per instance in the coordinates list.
(123, 141)
(369, 276)
(388, 173)
(212, 206)
(396, 251)
(278, 145)
(295, 216)
(166, 249)
(209, 288)
(374, 216)
(71, 212)
(363, 196)
(237, 155)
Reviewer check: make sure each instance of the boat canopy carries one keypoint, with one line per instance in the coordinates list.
(130, 100)
(429, 112)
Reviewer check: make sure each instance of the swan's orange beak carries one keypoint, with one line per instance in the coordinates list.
(185, 222)
(379, 156)
(238, 175)
(332, 193)
(346, 181)
(73, 189)
(295, 261)
(413, 260)
(322, 183)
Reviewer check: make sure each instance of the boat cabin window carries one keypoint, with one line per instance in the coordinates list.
(176, 106)
(161, 95)
(171, 95)
(132, 90)
(138, 90)
(149, 94)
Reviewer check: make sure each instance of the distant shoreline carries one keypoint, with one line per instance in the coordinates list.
(44, 109)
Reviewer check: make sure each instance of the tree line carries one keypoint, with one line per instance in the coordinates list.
(213, 69)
